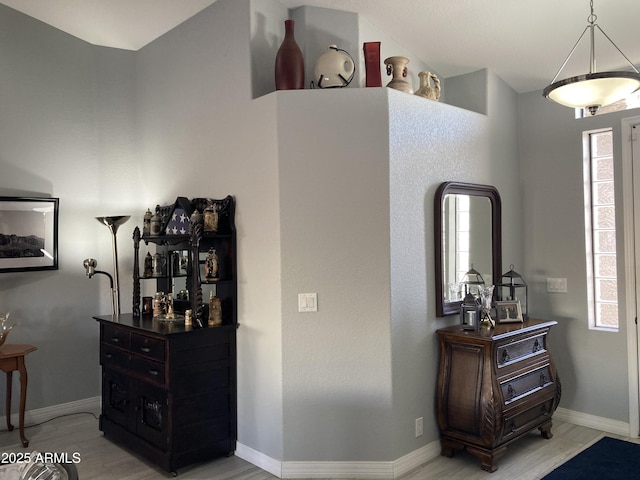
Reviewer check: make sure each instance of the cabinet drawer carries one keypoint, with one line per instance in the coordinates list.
(514, 352)
(148, 370)
(116, 336)
(113, 357)
(527, 420)
(518, 387)
(147, 346)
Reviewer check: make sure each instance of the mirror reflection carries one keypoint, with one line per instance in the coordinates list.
(468, 242)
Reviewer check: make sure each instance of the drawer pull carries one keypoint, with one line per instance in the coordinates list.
(543, 379)
(545, 410)
(505, 356)
(115, 340)
(145, 349)
(513, 426)
(511, 392)
(536, 346)
(155, 373)
(108, 355)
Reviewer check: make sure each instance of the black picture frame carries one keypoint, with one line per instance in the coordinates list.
(508, 311)
(28, 234)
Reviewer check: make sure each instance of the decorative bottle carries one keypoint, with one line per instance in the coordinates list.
(289, 69)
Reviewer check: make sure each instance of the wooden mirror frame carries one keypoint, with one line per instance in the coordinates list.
(449, 308)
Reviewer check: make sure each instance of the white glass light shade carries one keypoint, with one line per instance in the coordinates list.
(593, 89)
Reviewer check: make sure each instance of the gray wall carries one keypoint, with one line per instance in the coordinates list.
(592, 364)
(63, 133)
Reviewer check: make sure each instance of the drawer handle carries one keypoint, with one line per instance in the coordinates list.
(155, 373)
(108, 355)
(513, 426)
(545, 411)
(536, 346)
(115, 339)
(543, 379)
(145, 349)
(511, 392)
(505, 356)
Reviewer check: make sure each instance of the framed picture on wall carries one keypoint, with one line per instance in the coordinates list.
(28, 234)
(508, 311)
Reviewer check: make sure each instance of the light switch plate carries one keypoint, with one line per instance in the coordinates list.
(307, 302)
(557, 285)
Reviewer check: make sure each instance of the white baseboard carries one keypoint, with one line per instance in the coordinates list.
(398, 468)
(40, 415)
(259, 459)
(369, 470)
(591, 421)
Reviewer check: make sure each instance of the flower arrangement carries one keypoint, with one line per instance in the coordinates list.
(4, 327)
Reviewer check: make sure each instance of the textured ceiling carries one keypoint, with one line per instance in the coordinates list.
(525, 43)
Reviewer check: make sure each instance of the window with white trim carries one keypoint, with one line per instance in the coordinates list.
(600, 222)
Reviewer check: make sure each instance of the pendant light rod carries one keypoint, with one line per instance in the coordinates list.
(591, 19)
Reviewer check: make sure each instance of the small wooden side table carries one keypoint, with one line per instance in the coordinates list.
(11, 359)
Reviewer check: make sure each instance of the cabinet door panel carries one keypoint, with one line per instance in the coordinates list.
(116, 397)
(151, 415)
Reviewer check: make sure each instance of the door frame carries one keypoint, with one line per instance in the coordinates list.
(632, 278)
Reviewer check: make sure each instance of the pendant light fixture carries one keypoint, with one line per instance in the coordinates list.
(594, 89)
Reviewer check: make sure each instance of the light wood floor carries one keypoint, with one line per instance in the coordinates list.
(530, 458)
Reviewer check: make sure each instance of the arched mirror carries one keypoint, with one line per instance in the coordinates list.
(468, 235)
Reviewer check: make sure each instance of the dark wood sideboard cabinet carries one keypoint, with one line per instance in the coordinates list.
(168, 390)
(495, 385)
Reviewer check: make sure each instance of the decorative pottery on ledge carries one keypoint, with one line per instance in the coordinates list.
(289, 68)
(426, 90)
(397, 68)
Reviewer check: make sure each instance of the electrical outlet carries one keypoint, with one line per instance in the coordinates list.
(419, 427)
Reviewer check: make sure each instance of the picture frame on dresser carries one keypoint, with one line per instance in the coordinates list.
(508, 311)
(28, 234)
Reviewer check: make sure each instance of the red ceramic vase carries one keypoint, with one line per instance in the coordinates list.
(289, 62)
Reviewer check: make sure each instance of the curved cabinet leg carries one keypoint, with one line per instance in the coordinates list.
(488, 458)
(545, 430)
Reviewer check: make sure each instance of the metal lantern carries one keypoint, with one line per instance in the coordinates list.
(513, 287)
(472, 281)
(470, 313)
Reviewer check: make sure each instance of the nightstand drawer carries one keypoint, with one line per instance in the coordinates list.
(116, 336)
(528, 419)
(516, 351)
(522, 385)
(147, 346)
